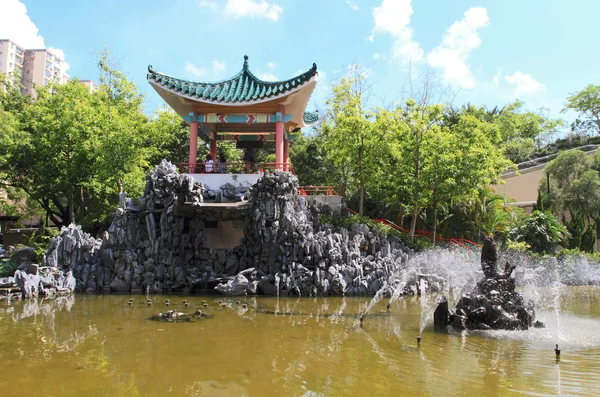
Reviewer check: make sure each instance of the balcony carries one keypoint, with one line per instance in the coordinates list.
(239, 174)
(234, 173)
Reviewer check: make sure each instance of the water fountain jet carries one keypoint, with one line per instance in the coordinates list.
(494, 304)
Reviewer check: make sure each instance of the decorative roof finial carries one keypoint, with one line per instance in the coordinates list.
(245, 61)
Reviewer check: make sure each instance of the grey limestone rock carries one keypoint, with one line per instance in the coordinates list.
(159, 242)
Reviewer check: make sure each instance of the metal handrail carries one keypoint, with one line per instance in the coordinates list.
(461, 242)
(321, 190)
(234, 167)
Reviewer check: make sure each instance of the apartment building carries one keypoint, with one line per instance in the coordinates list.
(12, 60)
(41, 67)
(33, 67)
(90, 84)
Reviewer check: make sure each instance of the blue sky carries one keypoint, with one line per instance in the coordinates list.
(490, 52)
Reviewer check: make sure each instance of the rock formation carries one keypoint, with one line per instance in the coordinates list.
(30, 280)
(494, 304)
(159, 244)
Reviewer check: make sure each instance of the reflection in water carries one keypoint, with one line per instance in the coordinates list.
(100, 345)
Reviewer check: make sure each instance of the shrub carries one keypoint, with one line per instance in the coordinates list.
(346, 222)
(7, 267)
(541, 231)
(40, 240)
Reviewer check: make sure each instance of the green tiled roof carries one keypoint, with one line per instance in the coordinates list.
(311, 117)
(243, 87)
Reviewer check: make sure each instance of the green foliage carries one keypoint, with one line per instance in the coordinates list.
(347, 131)
(519, 133)
(576, 229)
(575, 188)
(312, 164)
(519, 246)
(168, 136)
(7, 267)
(587, 104)
(346, 222)
(541, 230)
(40, 240)
(72, 152)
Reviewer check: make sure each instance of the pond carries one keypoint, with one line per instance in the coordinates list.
(98, 345)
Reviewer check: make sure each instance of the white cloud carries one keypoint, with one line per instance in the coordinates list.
(352, 5)
(272, 65)
(199, 72)
(16, 25)
(218, 67)
(393, 17)
(208, 4)
(459, 40)
(253, 8)
(524, 84)
(267, 76)
(214, 71)
(61, 55)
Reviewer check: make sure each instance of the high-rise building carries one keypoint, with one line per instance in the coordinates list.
(42, 67)
(90, 84)
(33, 67)
(12, 60)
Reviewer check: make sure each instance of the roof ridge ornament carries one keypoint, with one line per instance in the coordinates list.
(245, 62)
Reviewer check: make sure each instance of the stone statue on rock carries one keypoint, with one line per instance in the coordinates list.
(494, 304)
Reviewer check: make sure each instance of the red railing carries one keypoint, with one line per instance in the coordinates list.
(460, 242)
(321, 190)
(235, 167)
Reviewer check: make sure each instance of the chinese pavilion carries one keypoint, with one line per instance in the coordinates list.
(243, 108)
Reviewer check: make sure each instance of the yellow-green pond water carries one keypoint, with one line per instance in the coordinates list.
(98, 345)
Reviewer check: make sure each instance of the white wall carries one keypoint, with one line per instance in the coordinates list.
(215, 181)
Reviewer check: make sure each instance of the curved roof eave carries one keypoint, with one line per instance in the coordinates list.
(242, 90)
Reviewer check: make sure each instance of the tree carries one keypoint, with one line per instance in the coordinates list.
(520, 133)
(347, 130)
(541, 230)
(574, 184)
(574, 188)
(312, 164)
(168, 136)
(460, 162)
(48, 157)
(407, 130)
(73, 151)
(587, 104)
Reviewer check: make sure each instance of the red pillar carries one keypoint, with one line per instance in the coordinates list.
(193, 145)
(286, 155)
(279, 139)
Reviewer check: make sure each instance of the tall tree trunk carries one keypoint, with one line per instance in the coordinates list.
(434, 221)
(71, 209)
(361, 176)
(413, 222)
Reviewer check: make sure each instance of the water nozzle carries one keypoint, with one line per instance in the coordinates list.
(388, 307)
(361, 318)
(557, 351)
(419, 340)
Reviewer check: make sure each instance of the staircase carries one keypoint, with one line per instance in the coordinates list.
(471, 249)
